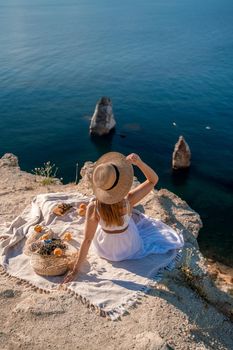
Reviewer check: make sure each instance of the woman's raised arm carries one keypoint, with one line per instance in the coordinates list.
(91, 223)
(135, 195)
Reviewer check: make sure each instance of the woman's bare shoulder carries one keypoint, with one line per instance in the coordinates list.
(92, 209)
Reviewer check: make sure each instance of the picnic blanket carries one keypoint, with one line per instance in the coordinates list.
(110, 288)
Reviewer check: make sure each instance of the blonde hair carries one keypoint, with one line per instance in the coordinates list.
(111, 213)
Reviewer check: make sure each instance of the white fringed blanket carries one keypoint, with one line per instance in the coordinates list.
(110, 288)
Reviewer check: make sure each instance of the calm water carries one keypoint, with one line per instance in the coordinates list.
(161, 61)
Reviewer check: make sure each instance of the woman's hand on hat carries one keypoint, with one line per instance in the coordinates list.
(134, 158)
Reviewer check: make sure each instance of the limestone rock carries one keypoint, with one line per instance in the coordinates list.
(39, 306)
(7, 293)
(171, 317)
(149, 340)
(85, 182)
(102, 121)
(10, 160)
(182, 155)
(222, 275)
(86, 171)
(180, 214)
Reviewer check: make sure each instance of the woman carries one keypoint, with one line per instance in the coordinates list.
(109, 223)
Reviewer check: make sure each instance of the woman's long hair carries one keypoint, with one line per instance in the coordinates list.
(111, 213)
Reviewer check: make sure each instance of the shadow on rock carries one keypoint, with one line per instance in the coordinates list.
(206, 327)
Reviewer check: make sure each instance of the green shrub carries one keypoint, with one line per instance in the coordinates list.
(47, 173)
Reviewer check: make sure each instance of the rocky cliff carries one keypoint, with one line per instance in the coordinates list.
(184, 311)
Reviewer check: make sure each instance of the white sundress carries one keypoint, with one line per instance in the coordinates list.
(143, 236)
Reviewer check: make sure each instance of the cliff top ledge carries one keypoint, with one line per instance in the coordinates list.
(184, 311)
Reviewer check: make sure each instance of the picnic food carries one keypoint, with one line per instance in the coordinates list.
(67, 236)
(82, 209)
(50, 245)
(81, 212)
(45, 236)
(58, 252)
(61, 209)
(38, 228)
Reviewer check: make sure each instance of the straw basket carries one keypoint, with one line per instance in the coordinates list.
(49, 265)
(53, 265)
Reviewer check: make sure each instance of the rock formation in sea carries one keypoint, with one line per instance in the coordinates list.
(102, 121)
(181, 156)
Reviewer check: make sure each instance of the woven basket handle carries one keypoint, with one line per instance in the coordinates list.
(31, 239)
(34, 237)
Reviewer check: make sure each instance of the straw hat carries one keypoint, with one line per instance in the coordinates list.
(112, 178)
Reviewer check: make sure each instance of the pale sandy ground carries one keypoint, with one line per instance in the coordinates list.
(172, 316)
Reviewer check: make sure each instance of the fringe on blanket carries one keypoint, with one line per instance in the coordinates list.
(23, 282)
(114, 314)
(123, 309)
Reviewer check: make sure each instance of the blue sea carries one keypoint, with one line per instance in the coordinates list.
(160, 61)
